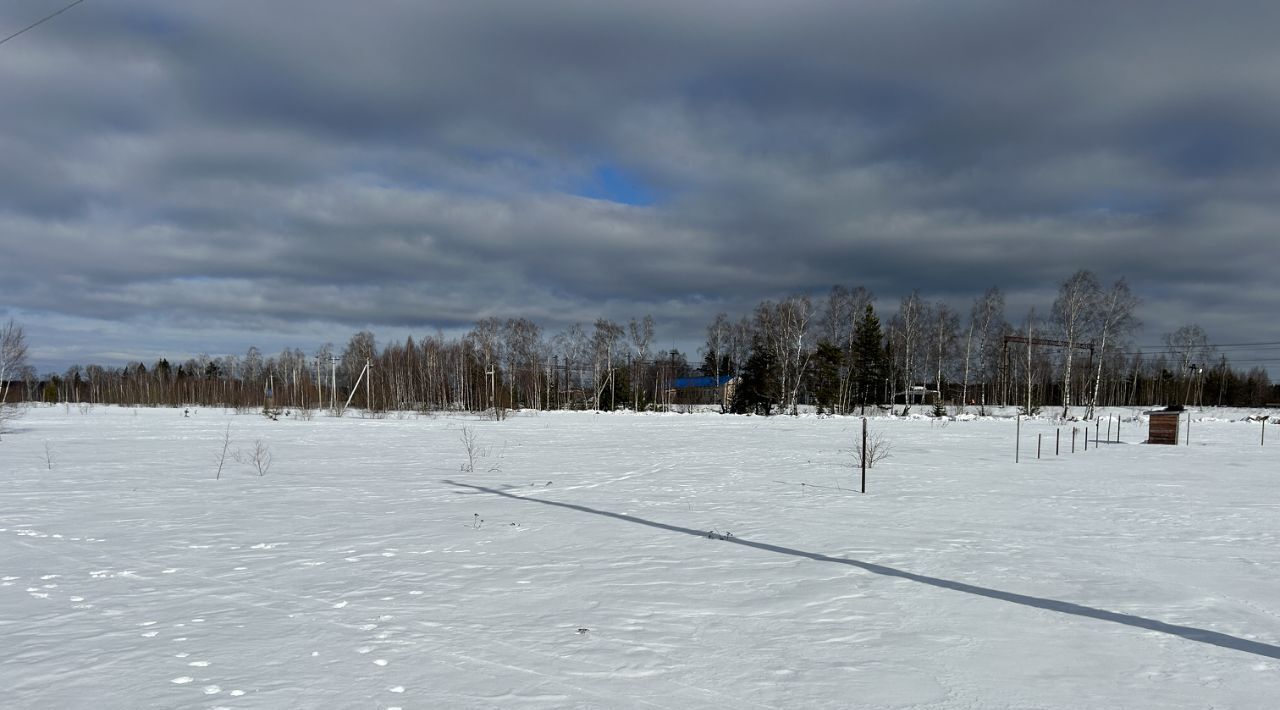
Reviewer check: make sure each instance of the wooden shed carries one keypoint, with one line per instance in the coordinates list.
(1163, 426)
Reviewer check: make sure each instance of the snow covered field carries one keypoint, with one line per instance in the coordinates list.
(573, 568)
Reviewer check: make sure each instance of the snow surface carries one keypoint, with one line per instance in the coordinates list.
(632, 561)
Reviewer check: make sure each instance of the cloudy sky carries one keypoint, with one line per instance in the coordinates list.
(186, 177)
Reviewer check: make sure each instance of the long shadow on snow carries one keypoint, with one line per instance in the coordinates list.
(1191, 633)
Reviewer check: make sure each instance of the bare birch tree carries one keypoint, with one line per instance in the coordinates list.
(605, 347)
(13, 363)
(782, 328)
(1115, 320)
(986, 320)
(795, 317)
(1072, 316)
(905, 329)
(844, 309)
(641, 337)
(1189, 345)
(521, 350)
(486, 338)
(574, 347)
(942, 334)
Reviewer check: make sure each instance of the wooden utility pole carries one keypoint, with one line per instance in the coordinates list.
(333, 384)
(489, 380)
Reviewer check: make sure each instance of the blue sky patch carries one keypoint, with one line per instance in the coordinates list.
(613, 184)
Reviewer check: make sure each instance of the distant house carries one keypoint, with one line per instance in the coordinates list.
(704, 390)
(917, 394)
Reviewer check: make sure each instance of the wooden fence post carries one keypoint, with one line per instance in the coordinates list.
(864, 454)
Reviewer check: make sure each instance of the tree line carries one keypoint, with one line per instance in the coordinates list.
(834, 353)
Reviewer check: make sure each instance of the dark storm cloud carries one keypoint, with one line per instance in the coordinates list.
(239, 172)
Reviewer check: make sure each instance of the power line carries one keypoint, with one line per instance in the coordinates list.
(1230, 348)
(41, 21)
(1220, 345)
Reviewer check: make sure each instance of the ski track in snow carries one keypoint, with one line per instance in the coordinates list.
(354, 574)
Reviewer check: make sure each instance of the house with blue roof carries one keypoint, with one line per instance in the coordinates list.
(704, 390)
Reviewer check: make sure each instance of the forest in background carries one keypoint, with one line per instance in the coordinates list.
(835, 353)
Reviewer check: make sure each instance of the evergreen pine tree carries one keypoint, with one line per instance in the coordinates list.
(825, 374)
(868, 360)
(754, 393)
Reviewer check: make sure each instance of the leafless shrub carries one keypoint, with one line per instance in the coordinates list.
(878, 449)
(470, 442)
(259, 457)
(48, 455)
(476, 450)
(222, 456)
